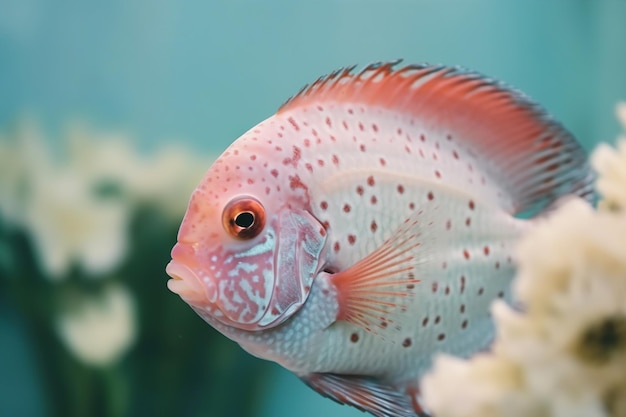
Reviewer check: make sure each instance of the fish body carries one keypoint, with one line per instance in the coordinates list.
(369, 223)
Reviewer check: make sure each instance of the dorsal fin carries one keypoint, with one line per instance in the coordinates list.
(535, 158)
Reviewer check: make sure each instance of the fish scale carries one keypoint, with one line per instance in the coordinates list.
(369, 223)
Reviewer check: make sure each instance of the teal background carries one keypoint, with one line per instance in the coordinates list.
(203, 72)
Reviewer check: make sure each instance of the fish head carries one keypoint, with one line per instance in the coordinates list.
(248, 249)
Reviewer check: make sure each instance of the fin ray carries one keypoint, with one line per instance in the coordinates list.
(364, 393)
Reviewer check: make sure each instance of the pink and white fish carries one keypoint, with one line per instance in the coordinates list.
(369, 224)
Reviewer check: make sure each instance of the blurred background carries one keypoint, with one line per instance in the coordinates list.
(110, 112)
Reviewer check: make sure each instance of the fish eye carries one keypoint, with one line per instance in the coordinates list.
(243, 218)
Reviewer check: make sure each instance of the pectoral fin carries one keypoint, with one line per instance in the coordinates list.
(373, 291)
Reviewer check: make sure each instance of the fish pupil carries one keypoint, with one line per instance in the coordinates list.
(244, 219)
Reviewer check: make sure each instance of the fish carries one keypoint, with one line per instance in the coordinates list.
(370, 222)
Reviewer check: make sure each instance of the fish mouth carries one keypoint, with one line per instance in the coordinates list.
(186, 283)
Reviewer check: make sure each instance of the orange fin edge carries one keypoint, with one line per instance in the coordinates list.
(533, 155)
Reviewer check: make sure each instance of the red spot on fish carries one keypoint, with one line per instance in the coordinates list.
(486, 250)
(293, 123)
(430, 195)
(278, 148)
(449, 137)
(370, 181)
(354, 337)
(359, 190)
(345, 124)
(437, 174)
(320, 108)
(373, 226)
(267, 190)
(373, 200)
(295, 158)
(351, 239)
(322, 231)
(455, 154)
(464, 324)
(462, 283)
(332, 138)
(399, 131)
(435, 286)
(437, 319)
(336, 247)
(295, 182)
(383, 162)
(375, 127)
(361, 127)
(309, 167)
(468, 221)
(346, 208)
(447, 290)
(448, 224)
(307, 143)
(407, 149)
(406, 342)
(274, 173)
(471, 204)
(250, 181)
(400, 189)
(462, 308)
(481, 290)
(320, 162)
(466, 254)
(441, 337)
(328, 122)
(350, 111)
(412, 206)
(252, 157)
(425, 321)
(435, 157)
(323, 205)
(362, 148)
(335, 159)
(423, 138)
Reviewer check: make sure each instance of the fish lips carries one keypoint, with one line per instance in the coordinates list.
(189, 286)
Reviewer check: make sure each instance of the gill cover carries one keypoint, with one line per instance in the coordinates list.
(264, 285)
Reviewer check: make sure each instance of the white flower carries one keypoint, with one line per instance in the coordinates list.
(70, 223)
(77, 212)
(77, 207)
(100, 329)
(486, 386)
(573, 241)
(611, 167)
